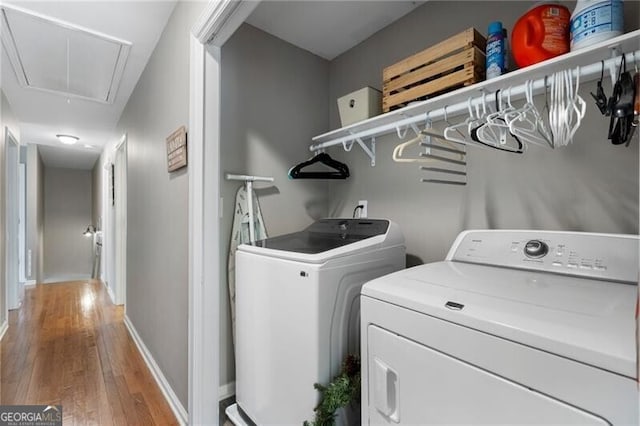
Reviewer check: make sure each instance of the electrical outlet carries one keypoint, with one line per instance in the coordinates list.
(363, 211)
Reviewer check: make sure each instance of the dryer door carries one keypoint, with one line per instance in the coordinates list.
(413, 384)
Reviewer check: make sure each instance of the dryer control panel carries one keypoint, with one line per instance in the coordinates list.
(612, 257)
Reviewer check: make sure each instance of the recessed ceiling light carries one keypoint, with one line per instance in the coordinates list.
(68, 139)
(88, 146)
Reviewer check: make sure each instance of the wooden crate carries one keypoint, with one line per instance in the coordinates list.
(455, 62)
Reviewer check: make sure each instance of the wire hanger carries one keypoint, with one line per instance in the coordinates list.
(340, 170)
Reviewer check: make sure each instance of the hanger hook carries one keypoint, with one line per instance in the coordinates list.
(344, 145)
(402, 134)
(602, 70)
(446, 119)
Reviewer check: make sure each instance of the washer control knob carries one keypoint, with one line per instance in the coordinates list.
(536, 249)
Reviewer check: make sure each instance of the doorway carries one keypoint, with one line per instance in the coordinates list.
(119, 205)
(114, 233)
(14, 288)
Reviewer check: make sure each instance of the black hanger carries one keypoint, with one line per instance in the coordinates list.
(507, 148)
(341, 171)
(621, 107)
(600, 97)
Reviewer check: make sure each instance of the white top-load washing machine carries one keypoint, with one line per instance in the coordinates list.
(514, 327)
(298, 312)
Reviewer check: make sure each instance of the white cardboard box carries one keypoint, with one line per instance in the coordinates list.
(359, 105)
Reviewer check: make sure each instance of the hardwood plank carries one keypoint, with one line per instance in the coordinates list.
(68, 345)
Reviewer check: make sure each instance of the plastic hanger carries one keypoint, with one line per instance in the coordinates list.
(488, 135)
(495, 131)
(600, 97)
(454, 132)
(622, 107)
(528, 124)
(341, 170)
(425, 157)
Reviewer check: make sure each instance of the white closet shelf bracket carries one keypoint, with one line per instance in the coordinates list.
(347, 144)
(590, 61)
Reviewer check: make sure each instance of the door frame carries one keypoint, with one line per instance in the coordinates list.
(218, 21)
(22, 226)
(12, 217)
(120, 221)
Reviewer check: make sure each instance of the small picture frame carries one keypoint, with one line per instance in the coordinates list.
(177, 149)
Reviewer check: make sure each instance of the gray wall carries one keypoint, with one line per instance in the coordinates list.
(7, 119)
(588, 186)
(157, 202)
(35, 212)
(274, 99)
(67, 212)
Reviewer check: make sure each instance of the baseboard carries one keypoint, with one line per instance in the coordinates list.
(3, 329)
(109, 292)
(169, 394)
(226, 391)
(30, 283)
(65, 279)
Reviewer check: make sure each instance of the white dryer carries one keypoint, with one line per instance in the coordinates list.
(514, 327)
(298, 312)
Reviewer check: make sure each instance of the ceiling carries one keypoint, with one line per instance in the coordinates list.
(77, 64)
(327, 28)
(82, 99)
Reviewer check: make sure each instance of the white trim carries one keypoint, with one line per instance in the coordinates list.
(215, 25)
(67, 278)
(221, 19)
(119, 243)
(11, 225)
(3, 329)
(30, 283)
(200, 387)
(226, 391)
(161, 380)
(109, 292)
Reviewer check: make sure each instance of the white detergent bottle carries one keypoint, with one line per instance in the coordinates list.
(594, 21)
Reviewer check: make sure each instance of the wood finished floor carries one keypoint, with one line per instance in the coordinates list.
(68, 345)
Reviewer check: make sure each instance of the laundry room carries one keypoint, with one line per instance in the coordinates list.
(282, 74)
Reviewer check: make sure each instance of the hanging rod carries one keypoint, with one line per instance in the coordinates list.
(248, 178)
(586, 72)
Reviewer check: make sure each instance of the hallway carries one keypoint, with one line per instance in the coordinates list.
(68, 345)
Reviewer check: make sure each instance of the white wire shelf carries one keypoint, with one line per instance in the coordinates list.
(456, 102)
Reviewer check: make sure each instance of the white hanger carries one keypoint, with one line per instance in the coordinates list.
(420, 139)
(453, 132)
(529, 125)
(496, 127)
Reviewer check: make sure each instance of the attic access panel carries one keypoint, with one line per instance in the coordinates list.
(54, 56)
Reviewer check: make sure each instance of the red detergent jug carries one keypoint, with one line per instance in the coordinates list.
(540, 34)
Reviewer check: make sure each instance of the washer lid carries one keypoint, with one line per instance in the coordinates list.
(587, 320)
(329, 238)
